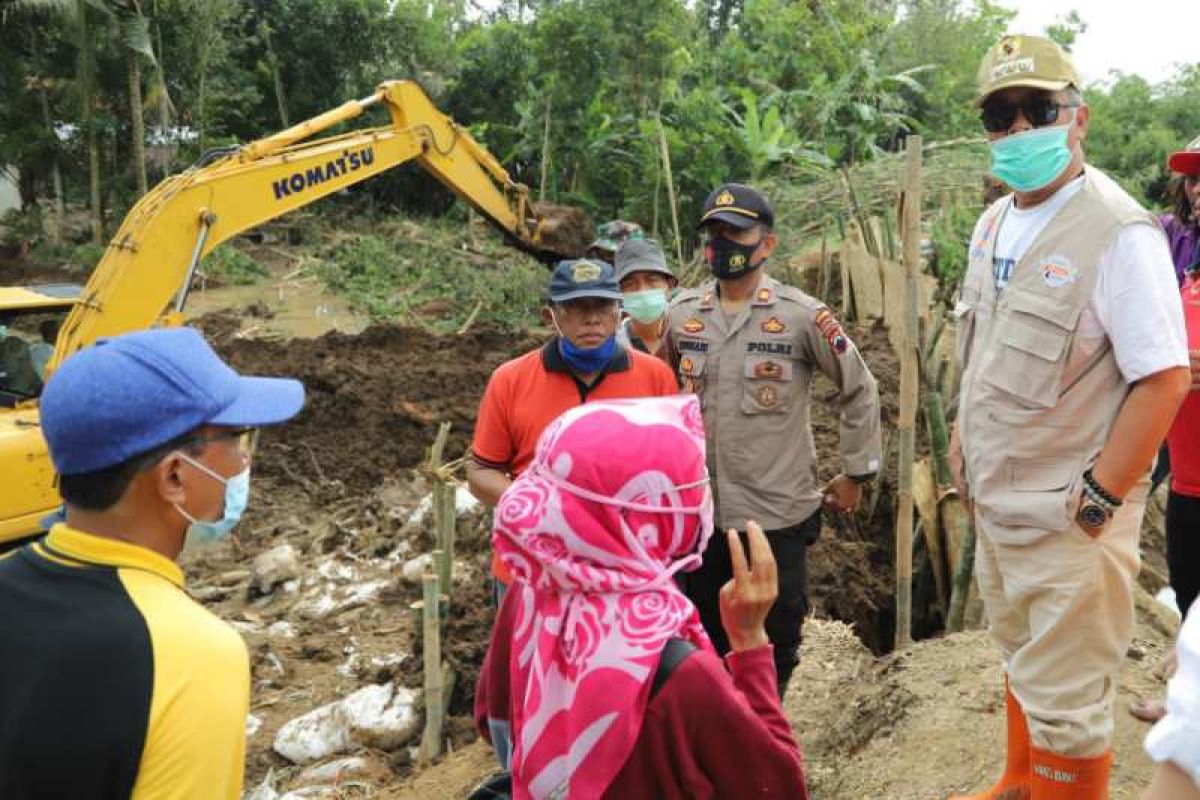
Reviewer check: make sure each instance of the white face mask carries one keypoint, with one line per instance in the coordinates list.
(704, 511)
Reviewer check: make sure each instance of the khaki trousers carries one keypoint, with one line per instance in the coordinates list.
(1061, 610)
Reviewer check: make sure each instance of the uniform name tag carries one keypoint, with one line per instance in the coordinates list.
(772, 348)
(693, 346)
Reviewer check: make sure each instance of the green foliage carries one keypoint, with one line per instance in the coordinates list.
(84, 258)
(22, 228)
(400, 279)
(234, 266)
(950, 236)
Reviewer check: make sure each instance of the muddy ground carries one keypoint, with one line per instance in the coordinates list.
(340, 484)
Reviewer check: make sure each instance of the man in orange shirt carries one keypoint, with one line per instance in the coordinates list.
(583, 362)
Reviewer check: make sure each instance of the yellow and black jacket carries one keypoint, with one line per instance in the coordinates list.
(113, 682)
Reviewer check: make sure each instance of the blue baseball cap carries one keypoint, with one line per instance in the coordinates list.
(129, 394)
(583, 277)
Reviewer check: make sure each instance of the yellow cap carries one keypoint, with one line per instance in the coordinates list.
(1020, 60)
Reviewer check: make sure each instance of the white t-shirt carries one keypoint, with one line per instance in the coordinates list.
(1136, 300)
(1176, 738)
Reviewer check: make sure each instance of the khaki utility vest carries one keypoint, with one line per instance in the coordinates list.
(1037, 401)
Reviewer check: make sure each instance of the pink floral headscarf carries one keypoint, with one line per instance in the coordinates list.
(615, 502)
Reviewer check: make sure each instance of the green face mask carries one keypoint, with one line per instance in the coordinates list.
(1031, 160)
(645, 306)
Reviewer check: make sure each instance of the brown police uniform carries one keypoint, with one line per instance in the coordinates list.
(753, 373)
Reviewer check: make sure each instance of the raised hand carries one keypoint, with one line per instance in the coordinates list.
(746, 599)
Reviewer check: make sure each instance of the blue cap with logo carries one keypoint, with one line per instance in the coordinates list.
(129, 394)
(583, 277)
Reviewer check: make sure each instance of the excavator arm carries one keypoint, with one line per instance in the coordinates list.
(149, 264)
(147, 269)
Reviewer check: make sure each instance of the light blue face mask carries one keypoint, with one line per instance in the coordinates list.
(1031, 160)
(645, 306)
(237, 496)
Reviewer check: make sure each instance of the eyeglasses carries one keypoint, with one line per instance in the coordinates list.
(1040, 109)
(247, 439)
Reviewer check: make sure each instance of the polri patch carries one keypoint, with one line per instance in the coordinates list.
(767, 396)
(694, 345)
(686, 365)
(693, 325)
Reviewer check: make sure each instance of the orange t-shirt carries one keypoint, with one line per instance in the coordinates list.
(528, 393)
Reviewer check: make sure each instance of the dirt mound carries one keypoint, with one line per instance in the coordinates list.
(565, 231)
(374, 400)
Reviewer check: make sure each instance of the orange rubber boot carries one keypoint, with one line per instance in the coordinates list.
(1014, 784)
(1058, 777)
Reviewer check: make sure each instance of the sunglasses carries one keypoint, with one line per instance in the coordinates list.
(1040, 109)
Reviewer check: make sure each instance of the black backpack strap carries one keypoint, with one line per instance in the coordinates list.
(674, 654)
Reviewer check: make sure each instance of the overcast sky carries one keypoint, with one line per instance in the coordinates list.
(1144, 37)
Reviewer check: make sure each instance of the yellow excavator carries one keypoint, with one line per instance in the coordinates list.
(145, 274)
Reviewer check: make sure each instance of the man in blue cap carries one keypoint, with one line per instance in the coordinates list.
(113, 682)
(583, 362)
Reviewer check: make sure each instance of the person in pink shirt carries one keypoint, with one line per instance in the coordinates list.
(573, 693)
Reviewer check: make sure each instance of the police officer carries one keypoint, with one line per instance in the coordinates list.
(748, 346)
(1071, 339)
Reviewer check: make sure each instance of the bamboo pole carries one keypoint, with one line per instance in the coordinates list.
(435, 709)
(666, 162)
(906, 429)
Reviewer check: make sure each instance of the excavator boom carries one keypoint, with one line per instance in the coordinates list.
(147, 269)
(151, 259)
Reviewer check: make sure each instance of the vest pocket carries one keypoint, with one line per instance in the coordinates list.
(1029, 358)
(1038, 494)
(766, 385)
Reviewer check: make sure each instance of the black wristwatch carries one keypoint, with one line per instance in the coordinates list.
(1092, 515)
(1096, 505)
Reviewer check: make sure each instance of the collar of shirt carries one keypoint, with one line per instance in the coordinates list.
(763, 295)
(83, 547)
(553, 361)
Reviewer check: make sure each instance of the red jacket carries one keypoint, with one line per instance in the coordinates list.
(1183, 440)
(707, 733)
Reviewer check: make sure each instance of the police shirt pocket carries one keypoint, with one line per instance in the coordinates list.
(766, 385)
(1029, 360)
(1038, 494)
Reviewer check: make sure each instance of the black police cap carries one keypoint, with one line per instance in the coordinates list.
(738, 205)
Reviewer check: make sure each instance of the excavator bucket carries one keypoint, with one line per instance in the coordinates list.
(563, 231)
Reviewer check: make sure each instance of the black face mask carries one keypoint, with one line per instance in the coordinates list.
(728, 259)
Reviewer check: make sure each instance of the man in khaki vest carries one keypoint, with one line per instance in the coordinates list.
(748, 346)
(1071, 340)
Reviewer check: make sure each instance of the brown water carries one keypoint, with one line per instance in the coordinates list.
(301, 308)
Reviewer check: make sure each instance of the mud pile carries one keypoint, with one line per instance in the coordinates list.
(375, 399)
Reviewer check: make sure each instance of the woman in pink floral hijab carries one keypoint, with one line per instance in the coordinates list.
(615, 503)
